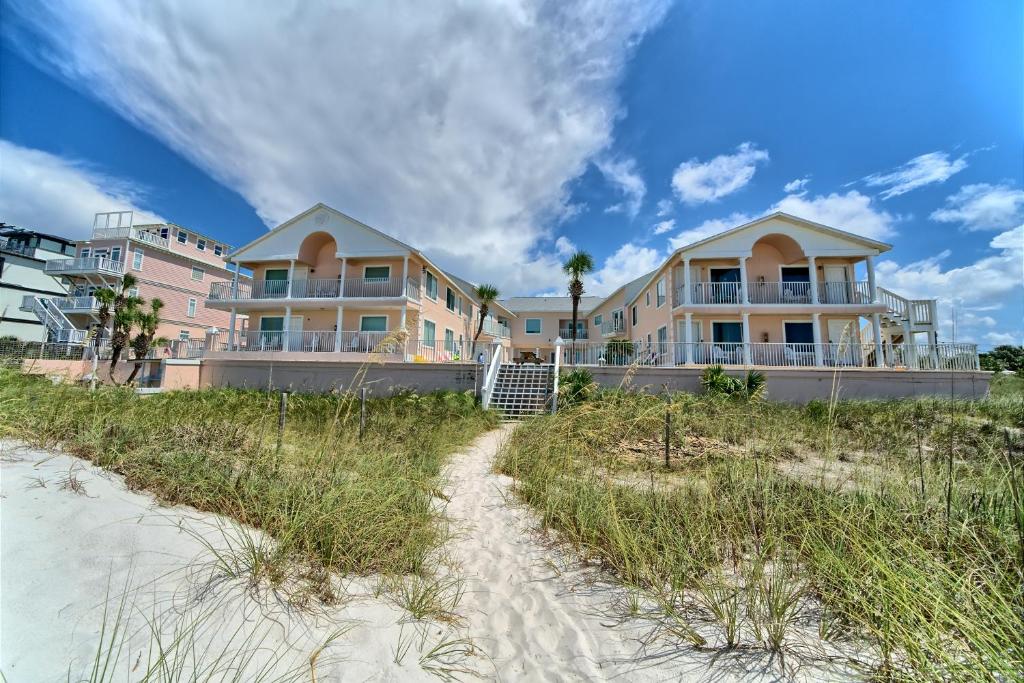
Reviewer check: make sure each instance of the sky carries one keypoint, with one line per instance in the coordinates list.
(500, 136)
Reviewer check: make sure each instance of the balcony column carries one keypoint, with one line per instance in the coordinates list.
(688, 337)
(816, 331)
(291, 278)
(234, 282)
(876, 330)
(669, 294)
(338, 328)
(232, 342)
(404, 285)
(812, 272)
(746, 339)
(287, 326)
(743, 279)
(687, 298)
(872, 289)
(405, 311)
(341, 279)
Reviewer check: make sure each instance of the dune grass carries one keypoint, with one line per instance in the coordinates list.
(328, 499)
(776, 524)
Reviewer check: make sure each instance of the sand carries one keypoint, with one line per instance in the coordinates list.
(74, 541)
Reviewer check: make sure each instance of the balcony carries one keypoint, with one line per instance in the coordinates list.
(566, 333)
(496, 329)
(610, 328)
(350, 288)
(88, 265)
(356, 342)
(774, 293)
(77, 304)
(150, 238)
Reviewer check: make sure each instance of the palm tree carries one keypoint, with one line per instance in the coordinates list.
(144, 340)
(487, 294)
(105, 297)
(578, 265)
(126, 308)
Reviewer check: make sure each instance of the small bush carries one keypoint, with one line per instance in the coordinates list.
(575, 386)
(716, 382)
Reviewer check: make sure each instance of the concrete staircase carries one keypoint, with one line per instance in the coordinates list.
(522, 390)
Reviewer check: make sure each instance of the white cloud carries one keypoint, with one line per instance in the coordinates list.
(697, 182)
(627, 263)
(564, 246)
(664, 207)
(999, 338)
(983, 207)
(853, 212)
(934, 167)
(52, 194)
(623, 175)
(708, 228)
(796, 186)
(980, 289)
(665, 226)
(455, 127)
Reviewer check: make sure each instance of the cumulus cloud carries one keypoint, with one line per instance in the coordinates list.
(853, 212)
(564, 246)
(980, 289)
(622, 174)
(934, 167)
(708, 228)
(697, 182)
(796, 186)
(52, 194)
(455, 127)
(983, 207)
(665, 226)
(628, 263)
(664, 207)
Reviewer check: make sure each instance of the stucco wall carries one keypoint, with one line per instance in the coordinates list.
(317, 377)
(800, 386)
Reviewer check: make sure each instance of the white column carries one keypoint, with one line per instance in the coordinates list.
(909, 350)
(234, 283)
(688, 336)
(287, 326)
(816, 331)
(743, 279)
(746, 339)
(405, 279)
(405, 309)
(872, 289)
(232, 343)
(291, 277)
(876, 329)
(338, 328)
(341, 278)
(687, 297)
(812, 271)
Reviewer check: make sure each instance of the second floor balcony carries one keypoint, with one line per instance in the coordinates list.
(773, 293)
(496, 328)
(87, 265)
(350, 288)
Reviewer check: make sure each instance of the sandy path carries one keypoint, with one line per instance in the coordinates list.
(536, 617)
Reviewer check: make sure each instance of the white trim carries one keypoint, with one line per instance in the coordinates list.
(177, 236)
(437, 283)
(711, 329)
(376, 265)
(191, 307)
(138, 254)
(201, 243)
(423, 333)
(663, 280)
(202, 273)
(802, 322)
(387, 321)
(455, 297)
(538, 332)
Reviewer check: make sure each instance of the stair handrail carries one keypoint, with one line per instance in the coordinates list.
(559, 343)
(894, 303)
(497, 351)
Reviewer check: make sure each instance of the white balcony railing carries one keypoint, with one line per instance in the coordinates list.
(327, 341)
(612, 327)
(947, 357)
(76, 303)
(496, 329)
(131, 233)
(566, 333)
(716, 293)
(729, 293)
(87, 264)
(316, 289)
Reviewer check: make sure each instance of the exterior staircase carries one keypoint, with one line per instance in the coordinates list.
(522, 390)
(905, 317)
(58, 328)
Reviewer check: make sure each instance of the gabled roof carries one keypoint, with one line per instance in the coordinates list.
(828, 230)
(549, 304)
(470, 289)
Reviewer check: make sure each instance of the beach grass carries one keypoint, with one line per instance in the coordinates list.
(890, 532)
(328, 498)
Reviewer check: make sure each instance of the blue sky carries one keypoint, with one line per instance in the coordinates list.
(498, 138)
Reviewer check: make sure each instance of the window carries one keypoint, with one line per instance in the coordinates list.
(533, 326)
(449, 298)
(200, 244)
(377, 273)
(632, 315)
(191, 308)
(373, 323)
(218, 250)
(661, 292)
(799, 333)
(662, 338)
(182, 237)
(137, 259)
(727, 333)
(115, 254)
(1, 267)
(598, 319)
(197, 273)
(449, 340)
(133, 292)
(648, 297)
(431, 286)
(429, 330)
(460, 305)
(84, 253)
(164, 233)
(183, 335)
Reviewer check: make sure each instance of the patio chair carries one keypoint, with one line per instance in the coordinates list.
(720, 355)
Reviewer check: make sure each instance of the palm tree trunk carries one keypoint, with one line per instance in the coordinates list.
(479, 329)
(575, 311)
(135, 371)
